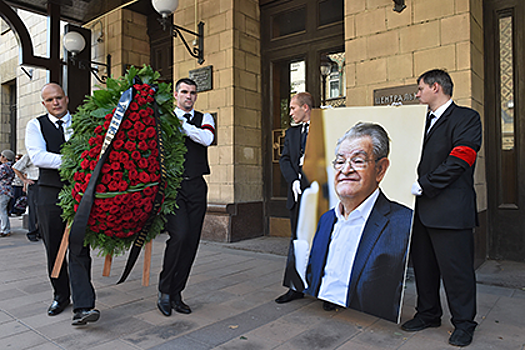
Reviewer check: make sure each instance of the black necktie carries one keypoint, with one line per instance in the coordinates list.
(187, 116)
(430, 117)
(304, 135)
(61, 128)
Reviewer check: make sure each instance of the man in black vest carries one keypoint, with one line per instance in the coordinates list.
(185, 225)
(44, 138)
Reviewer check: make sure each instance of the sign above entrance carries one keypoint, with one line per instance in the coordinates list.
(397, 95)
(203, 77)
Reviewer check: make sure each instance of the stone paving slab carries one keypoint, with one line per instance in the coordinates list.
(231, 292)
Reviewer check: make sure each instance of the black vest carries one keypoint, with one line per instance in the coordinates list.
(53, 138)
(196, 159)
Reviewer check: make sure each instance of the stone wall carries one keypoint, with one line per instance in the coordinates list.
(385, 49)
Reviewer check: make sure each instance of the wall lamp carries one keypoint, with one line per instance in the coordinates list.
(74, 42)
(166, 8)
(399, 5)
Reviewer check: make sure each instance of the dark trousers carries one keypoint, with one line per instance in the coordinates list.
(17, 192)
(184, 228)
(291, 277)
(52, 229)
(446, 254)
(32, 198)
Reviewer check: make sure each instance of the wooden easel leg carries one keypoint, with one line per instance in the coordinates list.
(147, 264)
(61, 252)
(107, 265)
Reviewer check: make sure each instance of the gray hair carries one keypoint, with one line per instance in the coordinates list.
(379, 136)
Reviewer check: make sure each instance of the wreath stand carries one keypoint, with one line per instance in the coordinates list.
(107, 262)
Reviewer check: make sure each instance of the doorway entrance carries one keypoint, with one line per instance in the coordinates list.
(504, 128)
(298, 38)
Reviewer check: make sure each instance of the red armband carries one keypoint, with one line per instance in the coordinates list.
(208, 127)
(464, 153)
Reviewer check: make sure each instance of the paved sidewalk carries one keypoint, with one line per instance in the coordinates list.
(231, 292)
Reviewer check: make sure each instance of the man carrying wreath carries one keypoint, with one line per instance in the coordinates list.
(44, 138)
(185, 224)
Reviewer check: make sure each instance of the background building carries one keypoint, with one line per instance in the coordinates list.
(345, 52)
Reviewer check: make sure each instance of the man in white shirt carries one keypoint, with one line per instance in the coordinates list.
(184, 227)
(45, 136)
(28, 173)
(359, 252)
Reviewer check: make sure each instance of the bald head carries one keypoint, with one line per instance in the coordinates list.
(54, 100)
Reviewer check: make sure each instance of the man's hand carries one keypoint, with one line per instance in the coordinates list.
(416, 189)
(296, 188)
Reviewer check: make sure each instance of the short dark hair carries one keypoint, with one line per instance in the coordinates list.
(186, 81)
(438, 76)
(379, 136)
(304, 98)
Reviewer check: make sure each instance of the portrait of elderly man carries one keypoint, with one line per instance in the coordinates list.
(358, 255)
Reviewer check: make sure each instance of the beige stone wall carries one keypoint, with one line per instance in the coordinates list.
(385, 49)
(232, 47)
(124, 35)
(28, 89)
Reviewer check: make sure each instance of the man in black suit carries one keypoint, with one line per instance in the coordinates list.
(291, 164)
(445, 214)
(185, 225)
(45, 136)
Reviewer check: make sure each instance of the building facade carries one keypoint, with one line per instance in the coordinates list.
(346, 53)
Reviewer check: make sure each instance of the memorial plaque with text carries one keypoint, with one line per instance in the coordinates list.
(398, 95)
(203, 77)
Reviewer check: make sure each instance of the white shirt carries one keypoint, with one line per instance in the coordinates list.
(26, 167)
(343, 247)
(438, 113)
(203, 136)
(36, 144)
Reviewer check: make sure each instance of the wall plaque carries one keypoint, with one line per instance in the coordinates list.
(397, 95)
(203, 77)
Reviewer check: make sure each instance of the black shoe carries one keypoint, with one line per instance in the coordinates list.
(83, 316)
(460, 338)
(180, 306)
(32, 238)
(289, 296)
(163, 303)
(328, 306)
(417, 324)
(57, 307)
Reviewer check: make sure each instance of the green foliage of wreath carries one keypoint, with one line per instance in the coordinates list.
(90, 115)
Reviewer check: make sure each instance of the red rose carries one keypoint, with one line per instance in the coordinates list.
(106, 178)
(152, 144)
(114, 156)
(144, 93)
(126, 124)
(141, 101)
(134, 116)
(121, 135)
(112, 186)
(143, 113)
(139, 126)
(99, 129)
(106, 168)
(150, 131)
(106, 124)
(122, 186)
(150, 99)
(102, 227)
(118, 144)
(129, 165)
(118, 176)
(100, 188)
(84, 154)
(132, 134)
(127, 216)
(113, 210)
(154, 177)
(135, 155)
(109, 116)
(151, 92)
(95, 228)
(105, 205)
(124, 157)
(143, 163)
(142, 136)
(134, 106)
(144, 178)
(143, 146)
(137, 86)
(115, 166)
(92, 140)
(148, 191)
(87, 178)
(92, 165)
(130, 146)
(155, 152)
(133, 174)
(79, 177)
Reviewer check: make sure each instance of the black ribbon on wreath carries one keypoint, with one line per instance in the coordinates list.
(78, 227)
(157, 202)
